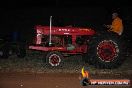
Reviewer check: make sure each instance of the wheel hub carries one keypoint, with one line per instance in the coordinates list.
(54, 60)
(107, 50)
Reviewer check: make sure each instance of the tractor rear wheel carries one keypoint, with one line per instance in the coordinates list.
(106, 52)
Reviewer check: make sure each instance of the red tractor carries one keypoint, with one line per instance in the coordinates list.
(56, 42)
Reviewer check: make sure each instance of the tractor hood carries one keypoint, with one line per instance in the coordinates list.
(64, 30)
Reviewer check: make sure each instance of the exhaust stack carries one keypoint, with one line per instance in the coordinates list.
(50, 30)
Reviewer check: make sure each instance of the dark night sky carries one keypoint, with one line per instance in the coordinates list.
(23, 17)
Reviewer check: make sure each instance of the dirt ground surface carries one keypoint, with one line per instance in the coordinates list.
(31, 72)
(52, 80)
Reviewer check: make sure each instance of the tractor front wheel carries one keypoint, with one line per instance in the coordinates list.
(54, 58)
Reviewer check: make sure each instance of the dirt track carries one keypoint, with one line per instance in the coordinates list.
(32, 73)
(46, 80)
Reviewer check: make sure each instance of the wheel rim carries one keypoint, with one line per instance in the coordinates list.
(54, 60)
(107, 50)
